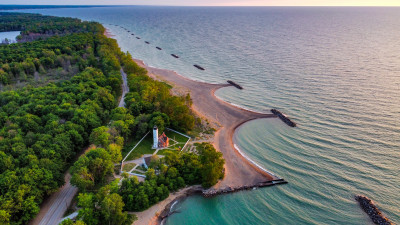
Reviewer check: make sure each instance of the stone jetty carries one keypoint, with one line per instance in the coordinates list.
(235, 84)
(284, 118)
(198, 190)
(175, 56)
(214, 192)
(373, 212)
(198, 67)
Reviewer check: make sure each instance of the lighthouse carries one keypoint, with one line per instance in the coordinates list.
(155, 137)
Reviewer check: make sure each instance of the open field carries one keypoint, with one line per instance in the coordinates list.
(177, 137)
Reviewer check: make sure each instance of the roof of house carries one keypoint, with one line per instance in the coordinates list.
(163, 137)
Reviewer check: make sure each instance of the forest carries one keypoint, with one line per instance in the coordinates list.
(53, 53)
(43, 129)
(46, 25)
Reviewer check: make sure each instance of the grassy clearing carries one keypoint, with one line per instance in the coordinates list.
(128, 167)
(177, 137)
(143, 148)
(139, 172)
(128, 146)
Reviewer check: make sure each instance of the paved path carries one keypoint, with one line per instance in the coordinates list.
(125, 89)
(53, 209)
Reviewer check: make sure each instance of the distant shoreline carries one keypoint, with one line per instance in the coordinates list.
(22, 7)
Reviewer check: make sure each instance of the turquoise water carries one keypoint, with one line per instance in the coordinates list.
(334, 71)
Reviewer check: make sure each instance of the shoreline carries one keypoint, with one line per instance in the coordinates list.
(160, 75)
(141, 63)
(239, 171)
(242, 155)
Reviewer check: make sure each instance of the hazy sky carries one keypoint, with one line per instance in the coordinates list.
(211, 2)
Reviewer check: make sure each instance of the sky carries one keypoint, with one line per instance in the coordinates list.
(210, 2)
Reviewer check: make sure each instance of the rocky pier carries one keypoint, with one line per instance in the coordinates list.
(214, 192)
(373, 212)
(235, 84)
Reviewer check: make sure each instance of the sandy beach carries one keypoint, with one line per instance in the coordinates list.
(238, 170)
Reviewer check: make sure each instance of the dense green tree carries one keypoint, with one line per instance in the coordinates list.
(100, 136)
(112, 209)
(212, 164)
(105, 207)
(115, 152)
(4, 217)
(91, 169)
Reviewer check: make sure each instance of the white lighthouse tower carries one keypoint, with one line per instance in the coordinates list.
(155, 137)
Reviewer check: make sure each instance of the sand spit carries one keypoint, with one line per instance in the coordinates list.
(239, 172)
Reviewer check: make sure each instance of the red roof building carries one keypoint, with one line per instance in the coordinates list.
(163, 141)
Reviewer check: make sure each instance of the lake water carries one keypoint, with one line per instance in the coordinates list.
(11, 36)
(334, 71)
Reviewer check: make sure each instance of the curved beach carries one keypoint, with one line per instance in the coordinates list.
(238, 170)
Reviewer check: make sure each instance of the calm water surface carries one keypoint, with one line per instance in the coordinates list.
(11, 36)
(335, 71)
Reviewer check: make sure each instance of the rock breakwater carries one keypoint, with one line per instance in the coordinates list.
(373, 212)
(214, 192)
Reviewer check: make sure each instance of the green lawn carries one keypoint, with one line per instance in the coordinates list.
(177, 137)
(139, 172)
(162, 152)
(128, 167)
(128, 146)
(143, 148)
